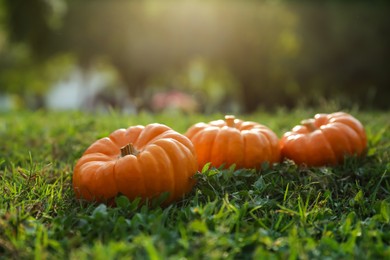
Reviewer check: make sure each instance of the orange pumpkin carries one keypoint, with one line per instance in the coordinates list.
(136, 162)
(324, 140)
(232, 141)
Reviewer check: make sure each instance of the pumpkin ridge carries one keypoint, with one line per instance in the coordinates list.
(286, 144)
(268, 149)
(167, 145)
(195, 129)
(235, 144)
(273, 143)
(346, 135)
(248, 125)
(314, 149)
(185, 177)
(215, 152)
(362, 140)
(107, 181)
(201, 134)
(354, 124)
(81, 173)
(143, 180)
(163, 166)
(238, 124)
(104, 145)
(310, 124)
(115, 177)
(169, 142)
(149, 133)
(171, 134)
(349, 137)
(217, 123)
(324, 132)
(117, 136)
(148, 160)
(254, 151)
(92, 189)
(132, 172)
(132, 135)
(160, 135)
(303, 139)
(214, 137)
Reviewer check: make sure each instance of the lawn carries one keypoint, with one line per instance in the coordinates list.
(284, 211)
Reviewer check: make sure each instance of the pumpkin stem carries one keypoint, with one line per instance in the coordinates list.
(309, 123)
(229, 119)
(128, 149)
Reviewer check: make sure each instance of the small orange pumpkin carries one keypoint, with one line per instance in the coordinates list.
(324, 140)
(141, 161)
(233, 141)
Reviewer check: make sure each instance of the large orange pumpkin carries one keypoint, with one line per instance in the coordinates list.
(324, 140)
(136, 162)
(233, 141)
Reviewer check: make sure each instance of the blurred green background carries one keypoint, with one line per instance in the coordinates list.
(205, 55)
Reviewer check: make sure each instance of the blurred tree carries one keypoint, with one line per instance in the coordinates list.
(346, 52)
(30, 59)
(35, 24)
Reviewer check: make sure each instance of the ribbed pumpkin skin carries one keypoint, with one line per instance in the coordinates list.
(233, 141)
(324, 140)
(165, 163)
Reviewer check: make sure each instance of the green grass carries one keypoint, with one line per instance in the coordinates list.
(280, 212)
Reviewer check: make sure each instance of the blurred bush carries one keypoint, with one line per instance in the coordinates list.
(231, 55)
